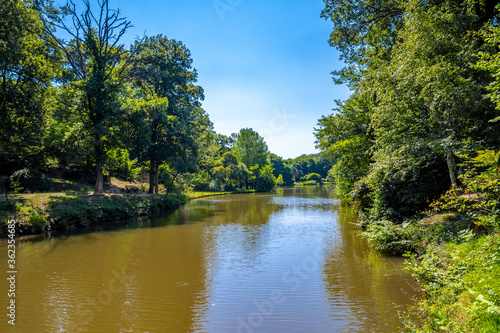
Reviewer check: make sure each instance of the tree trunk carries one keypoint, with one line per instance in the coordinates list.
(152, 176)
(450, 160)
(157, 172)
(171, 183)
(99, 184)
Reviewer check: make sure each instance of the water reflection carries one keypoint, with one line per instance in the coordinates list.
(368, 283)
(283, 262)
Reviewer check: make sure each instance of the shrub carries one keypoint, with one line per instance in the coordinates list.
(29, 180)
(400, 192)
(280, 181)
(389, 237)
(314, 177)
(200, 181)
(266, 181)
(118, 164)
(479, 195)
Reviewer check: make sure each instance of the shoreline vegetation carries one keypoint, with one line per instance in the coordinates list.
(75, 209)
(56, 214)
(416, 148)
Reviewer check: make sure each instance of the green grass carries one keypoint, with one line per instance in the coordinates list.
(69, 187)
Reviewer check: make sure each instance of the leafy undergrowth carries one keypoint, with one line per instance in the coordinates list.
(415, 235)
(462, 286)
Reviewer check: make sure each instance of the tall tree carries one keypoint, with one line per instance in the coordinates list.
(97, 62)
(27, 65)
(163, 67)
(250, 148)
(428, 93)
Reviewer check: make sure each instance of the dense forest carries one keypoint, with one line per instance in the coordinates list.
(77, 103)
(416, 146)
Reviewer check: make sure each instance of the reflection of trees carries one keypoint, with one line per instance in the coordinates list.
(237, 226)
(166, 291)
(370, 283)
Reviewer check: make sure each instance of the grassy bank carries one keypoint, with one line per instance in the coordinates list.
(456, 265)
(61, 214)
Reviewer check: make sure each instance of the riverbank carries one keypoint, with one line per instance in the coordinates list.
(55, 214)
(456, 266)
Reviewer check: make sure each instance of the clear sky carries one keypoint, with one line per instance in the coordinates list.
(263, 64)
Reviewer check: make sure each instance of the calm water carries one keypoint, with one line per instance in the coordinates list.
(284, 262)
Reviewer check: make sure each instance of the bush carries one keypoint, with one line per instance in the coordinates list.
(480, 190)
(201, 181)
(389, 237)
(69, 215)
(118, 164)
(314, 177)
(29, 181)
(401, 192)
(266, 181)
(280, 181)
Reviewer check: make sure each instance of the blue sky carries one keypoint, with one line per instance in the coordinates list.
(263, 64)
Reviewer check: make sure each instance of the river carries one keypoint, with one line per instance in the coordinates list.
(290, 261)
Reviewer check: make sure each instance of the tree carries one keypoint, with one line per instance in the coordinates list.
(362, 30)
(97, 63)
(490, 61)
(279, 181)
(417, 97)
(281, 169)
(27, 65)
(314, 177)
(230, 172)
(345, 139)
(250, 148)
(163, 67)
(441, 102)
(266, 181)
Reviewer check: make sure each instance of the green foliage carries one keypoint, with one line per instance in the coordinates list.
(314, 177)
(266, 181)
(10, 204)
(397, 239)
(490, 61)
(200, 181)
(479, 195)
(69, 215)
(27, 66)
(345, 140)
(230, 173)
(306, 164)
(250, 148)
(462, 287)
(281, 168)
(417, 96)
(402, 187)
(279, 181)
(118, 164)
(415, 235)
(173, 121)
(29, 181)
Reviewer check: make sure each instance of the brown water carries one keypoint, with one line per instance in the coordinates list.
(284, 262)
